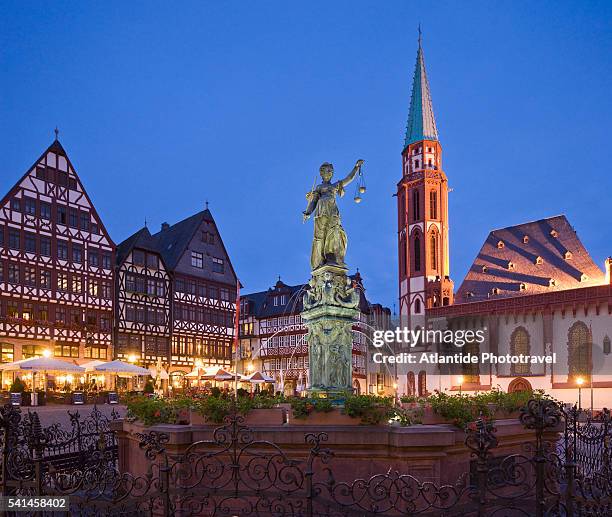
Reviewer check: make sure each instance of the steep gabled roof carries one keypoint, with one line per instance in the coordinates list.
(173, 240)
(261, 304)
(141, 239)
(536, 257)
(421, 121)
(57, 148)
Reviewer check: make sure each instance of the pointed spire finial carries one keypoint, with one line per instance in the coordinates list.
(56, 131)
(145, 222)
(207, 204)
(421, 121)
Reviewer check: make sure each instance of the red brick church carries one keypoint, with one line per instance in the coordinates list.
(533, 286)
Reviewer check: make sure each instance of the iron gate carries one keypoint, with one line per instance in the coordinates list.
(234, 474)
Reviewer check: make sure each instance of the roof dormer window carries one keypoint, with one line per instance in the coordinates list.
(554, 233)
(568, 255)
(539, 261)
(500, 245)
(552, 282)
(484, 269)
(522, 287)
(510, 265)
(584, 277)
(525, 239)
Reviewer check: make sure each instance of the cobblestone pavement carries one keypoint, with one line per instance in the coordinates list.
(59, 413)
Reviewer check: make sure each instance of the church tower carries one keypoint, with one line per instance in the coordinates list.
(422, 202)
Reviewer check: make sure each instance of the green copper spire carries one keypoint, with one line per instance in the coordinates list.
(421, 121)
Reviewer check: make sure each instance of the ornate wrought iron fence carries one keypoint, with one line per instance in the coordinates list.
(235, 474)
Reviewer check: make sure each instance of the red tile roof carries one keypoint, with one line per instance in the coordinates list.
(531, 258)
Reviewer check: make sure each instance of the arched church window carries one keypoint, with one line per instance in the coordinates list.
(403, 255)
(417, 306)
(422, 383)
(520, 345)
(411, 384)
(606, 345)
(417, 253)
(579, 351)
(416, 210)
(433, 245)
(433, 204)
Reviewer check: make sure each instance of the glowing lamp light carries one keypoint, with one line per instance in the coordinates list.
(395, 385)
(131, 358)
(460, 379)
(580, 381)
(46, 353)
(198, 363)
(69, 378)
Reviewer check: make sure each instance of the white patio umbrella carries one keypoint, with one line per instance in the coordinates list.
(42, 364)
(258, 378)
(154, 372)
(89, 367)
(118, 366)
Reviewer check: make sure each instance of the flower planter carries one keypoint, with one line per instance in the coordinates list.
(255, 417)
(500, 414)
(196, 419)
(333, 418)
(183, 417)
(430, 417)
(272, 416)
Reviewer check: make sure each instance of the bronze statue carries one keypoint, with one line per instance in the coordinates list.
(329, 242)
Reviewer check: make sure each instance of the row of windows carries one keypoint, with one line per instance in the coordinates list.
(67, 216)
(294, 319)
(198, 314)
(416, 205)
(184, 345)
(41, 312)
(286, 363)
(204, 290)
(142, 258)
(144, 285)
(197, 261)
(148, 315)
(32, 276)
(136, 343)
(60, 350)
(51, 174)
(417, 253)
(33, 243)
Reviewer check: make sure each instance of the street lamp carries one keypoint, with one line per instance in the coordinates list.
(460, 381)
(131, 358)
(580, 382)
(46, 353)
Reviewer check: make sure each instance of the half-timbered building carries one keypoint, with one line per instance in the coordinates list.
(56, 266)
(272, 336)
(142, 307)
(203, 293)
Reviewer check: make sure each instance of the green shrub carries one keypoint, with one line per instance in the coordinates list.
(406, 417)
(370, 409)
(148, 387)
(18, 386)
(152, 411)
(303, 406)
(459, 409)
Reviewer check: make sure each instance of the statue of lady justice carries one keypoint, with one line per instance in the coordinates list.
(329, 242)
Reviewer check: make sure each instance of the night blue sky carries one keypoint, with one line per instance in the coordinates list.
(164, 105)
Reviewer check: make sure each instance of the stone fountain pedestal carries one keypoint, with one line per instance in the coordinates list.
(330, 310)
